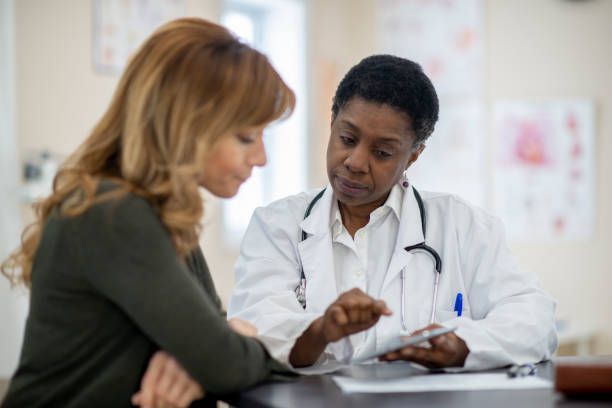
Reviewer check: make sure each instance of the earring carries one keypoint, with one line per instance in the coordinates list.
(405, 181)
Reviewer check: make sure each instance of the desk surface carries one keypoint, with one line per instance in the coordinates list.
(321, 391)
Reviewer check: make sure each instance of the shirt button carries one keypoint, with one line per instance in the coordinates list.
(358, 272)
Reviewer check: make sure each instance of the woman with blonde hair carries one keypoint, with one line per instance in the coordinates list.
(113, 261)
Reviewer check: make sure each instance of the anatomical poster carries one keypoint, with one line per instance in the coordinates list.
(544, 169)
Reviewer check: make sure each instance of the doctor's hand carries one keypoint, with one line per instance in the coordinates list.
(166, 384)
(352, 312)
(447, 350)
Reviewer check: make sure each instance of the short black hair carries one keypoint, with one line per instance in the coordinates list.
(393, 81)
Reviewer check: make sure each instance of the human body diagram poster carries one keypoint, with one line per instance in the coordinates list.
(544, 169)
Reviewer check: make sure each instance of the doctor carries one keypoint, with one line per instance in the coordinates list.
(331, 274)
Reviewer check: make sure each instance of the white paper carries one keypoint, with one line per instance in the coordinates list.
(329, 366)
(441, 382)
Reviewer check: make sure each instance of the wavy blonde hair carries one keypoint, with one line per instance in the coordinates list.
(189, 84)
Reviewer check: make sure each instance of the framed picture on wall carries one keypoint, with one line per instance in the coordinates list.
(447, 39)
(545, 169)
(120, 26)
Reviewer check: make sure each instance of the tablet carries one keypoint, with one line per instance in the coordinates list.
(403, 341)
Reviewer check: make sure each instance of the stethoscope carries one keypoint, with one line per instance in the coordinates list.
(300, 290)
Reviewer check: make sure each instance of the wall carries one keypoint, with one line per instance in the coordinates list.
(535, 50)
(561, 49)
(60, 97)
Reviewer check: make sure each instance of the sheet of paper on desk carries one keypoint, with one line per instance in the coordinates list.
(441, 382)
(326, 368)
(398, 369)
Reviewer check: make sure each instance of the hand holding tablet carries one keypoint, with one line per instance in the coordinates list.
(399, 342)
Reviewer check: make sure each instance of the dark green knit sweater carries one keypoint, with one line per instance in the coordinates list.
(108, 290)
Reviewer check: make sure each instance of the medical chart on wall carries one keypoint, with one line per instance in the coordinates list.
(120, 26)
(446, 38)
(454, 158)
(544, 169)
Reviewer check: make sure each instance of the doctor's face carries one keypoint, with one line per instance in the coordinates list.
(369, 148)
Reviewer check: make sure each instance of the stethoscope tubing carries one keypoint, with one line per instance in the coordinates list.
(300, 290)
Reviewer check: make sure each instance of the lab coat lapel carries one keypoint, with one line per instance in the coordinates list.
(316, 256)
(409, 233)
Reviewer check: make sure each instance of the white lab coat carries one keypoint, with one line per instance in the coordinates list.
(506, 317)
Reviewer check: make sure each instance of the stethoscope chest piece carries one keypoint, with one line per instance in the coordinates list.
(300, 293)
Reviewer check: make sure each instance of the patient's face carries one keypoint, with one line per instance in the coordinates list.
(369, 148)
(231, 159)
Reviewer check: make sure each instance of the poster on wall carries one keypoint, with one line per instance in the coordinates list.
(544, 169)
(120, 26)
(453, 159)
(446, 38)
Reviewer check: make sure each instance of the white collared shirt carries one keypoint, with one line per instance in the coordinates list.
(362, 262)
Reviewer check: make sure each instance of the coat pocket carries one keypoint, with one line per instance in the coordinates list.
(446, 315)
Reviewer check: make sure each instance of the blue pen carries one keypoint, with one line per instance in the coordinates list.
(459, 304)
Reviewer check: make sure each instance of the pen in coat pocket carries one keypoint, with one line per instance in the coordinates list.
(458, 304)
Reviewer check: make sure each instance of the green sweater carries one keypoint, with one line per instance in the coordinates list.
(108, 290)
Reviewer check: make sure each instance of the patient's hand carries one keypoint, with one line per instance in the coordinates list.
(447, 350)
(242, 327)
(166, 384)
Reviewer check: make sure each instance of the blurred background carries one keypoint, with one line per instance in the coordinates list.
(525, 122)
